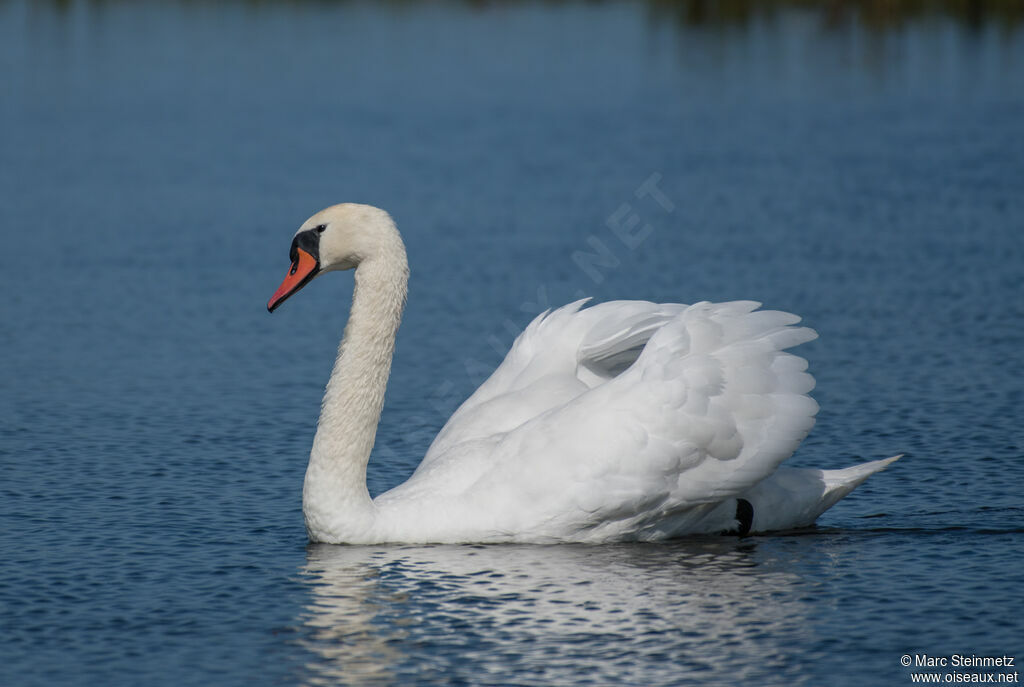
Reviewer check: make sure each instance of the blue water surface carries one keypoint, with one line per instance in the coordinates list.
(856, 163)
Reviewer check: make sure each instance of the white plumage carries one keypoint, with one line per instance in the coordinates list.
(625, 420)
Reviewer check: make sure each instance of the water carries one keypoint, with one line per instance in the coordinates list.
(860, 168)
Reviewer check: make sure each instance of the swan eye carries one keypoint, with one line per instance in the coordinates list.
(321, 228)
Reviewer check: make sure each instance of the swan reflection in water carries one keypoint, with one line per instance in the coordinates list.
(638, 613)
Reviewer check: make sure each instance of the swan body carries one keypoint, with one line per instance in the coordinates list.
(625, 420)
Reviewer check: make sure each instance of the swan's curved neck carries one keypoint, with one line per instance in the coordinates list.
(336, 503)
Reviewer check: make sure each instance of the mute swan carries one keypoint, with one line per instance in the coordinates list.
(625, 420)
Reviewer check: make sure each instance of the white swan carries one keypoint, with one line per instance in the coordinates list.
(626, 420)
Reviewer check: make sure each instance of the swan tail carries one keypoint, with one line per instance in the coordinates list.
(839, 483)
(792, 498)
(851, 477)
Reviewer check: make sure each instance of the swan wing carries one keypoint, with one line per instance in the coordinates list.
(559, 356)
(625, 418)
(712, 405)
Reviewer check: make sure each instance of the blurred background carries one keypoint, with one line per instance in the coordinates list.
(858, 163)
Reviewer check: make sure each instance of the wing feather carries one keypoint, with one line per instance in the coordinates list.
(616, 416)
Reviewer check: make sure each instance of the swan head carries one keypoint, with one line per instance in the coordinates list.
(340, 237)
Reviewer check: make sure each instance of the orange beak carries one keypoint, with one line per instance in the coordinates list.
(304, 268)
